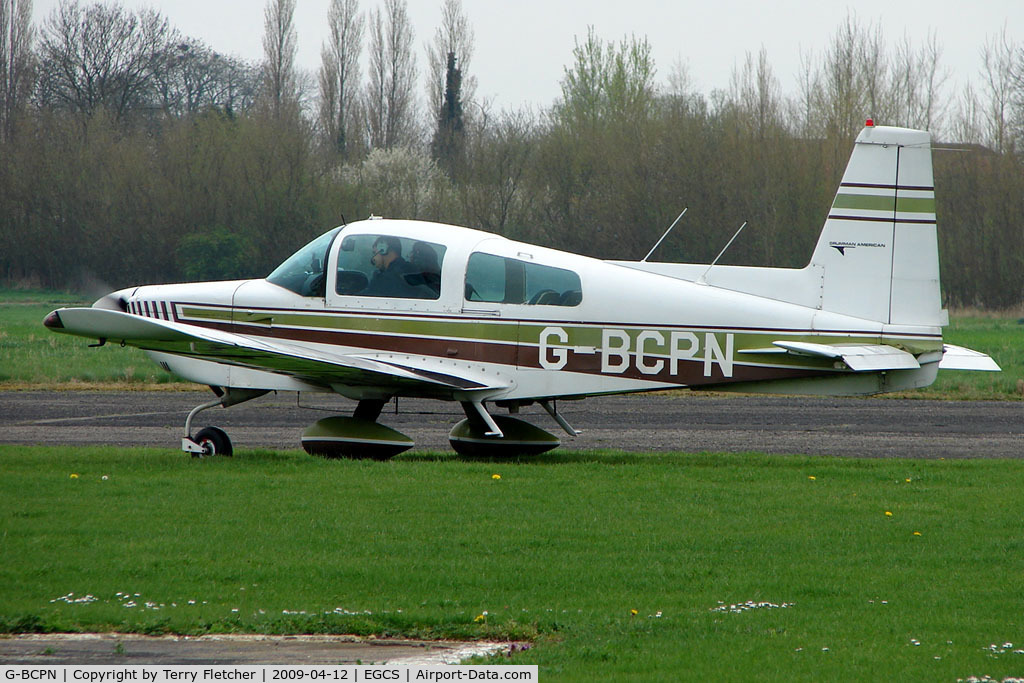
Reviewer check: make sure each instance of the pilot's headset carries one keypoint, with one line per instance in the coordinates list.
(379, 247)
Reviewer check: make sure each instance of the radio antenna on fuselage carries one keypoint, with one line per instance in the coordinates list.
(701, 280)
(658, 243)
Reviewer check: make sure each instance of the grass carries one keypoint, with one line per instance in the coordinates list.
(613, 565)
(30, 355)
(1002, 337)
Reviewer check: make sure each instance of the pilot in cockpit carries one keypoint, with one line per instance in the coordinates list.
(389, 278)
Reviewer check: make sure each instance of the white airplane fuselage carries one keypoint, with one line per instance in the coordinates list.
(631, 330)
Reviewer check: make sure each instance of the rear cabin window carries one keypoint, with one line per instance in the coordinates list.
(389, 266)
(496, 279)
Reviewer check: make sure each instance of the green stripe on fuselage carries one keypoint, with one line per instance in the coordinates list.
(333, 322)
(528, 333)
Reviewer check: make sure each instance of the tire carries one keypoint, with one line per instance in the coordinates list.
(214, 441)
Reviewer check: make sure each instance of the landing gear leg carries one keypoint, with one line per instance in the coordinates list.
(552, 409)
(213, 440)
(368, 409)
(484, 435)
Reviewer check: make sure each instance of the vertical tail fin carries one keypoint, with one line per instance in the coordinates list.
(878, 251)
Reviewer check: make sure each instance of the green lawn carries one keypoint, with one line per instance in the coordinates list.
(612, 565)
(31, 354)
(1000, 337)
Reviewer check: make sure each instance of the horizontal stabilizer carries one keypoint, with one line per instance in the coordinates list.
(959, 358)
(859, 357)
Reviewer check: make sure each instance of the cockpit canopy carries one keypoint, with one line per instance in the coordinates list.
(390, 264)
(413, 272)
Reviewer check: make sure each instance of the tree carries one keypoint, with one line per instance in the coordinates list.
(390, 107)
(449, 139)
(194, 78)
(859, 77)
(917, 81)
(101, 57)
(754, 94)
(607, 83)
(339, 74)
(280, 82)
(453, 36)
(842, 98)
(402, 182)
(16, 36)
(998, 57)
(497, 161)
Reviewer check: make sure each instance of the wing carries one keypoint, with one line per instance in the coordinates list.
(398, 371)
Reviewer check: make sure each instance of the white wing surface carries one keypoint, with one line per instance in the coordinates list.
(399, 371)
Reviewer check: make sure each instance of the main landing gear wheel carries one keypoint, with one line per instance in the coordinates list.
(357, 437)
(351, 437)
(214, 441)
(471, 438)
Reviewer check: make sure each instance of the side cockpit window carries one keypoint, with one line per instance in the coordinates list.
(497, 279)
(389, 266)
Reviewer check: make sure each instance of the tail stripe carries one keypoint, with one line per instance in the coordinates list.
(924, 188)
(907, 221)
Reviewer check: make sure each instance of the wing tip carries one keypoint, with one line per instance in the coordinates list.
(53, 321)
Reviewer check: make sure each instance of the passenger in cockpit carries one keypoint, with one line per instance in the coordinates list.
(424, 263)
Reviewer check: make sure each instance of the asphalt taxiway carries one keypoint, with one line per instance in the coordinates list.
(684, 421)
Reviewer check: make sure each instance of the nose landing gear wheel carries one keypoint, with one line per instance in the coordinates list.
(214, 441)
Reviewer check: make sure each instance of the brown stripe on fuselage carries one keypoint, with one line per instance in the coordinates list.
(690, 372)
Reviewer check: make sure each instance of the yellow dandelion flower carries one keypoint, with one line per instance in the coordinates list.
(917, 533)
(480, 617)
(633, 612)
(907, 480)
(495, 477)
(74, 476)
(888, 514)
(813, 478)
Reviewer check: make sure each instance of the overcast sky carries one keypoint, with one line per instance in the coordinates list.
(523, 47)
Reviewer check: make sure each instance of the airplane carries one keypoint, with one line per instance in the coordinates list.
(380, 309)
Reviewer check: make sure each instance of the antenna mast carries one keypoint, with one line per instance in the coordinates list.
(701, 279)
(658, 243)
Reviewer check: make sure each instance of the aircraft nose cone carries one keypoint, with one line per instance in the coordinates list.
(53, 321)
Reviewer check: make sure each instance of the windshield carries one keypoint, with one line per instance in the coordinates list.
(303, 272)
